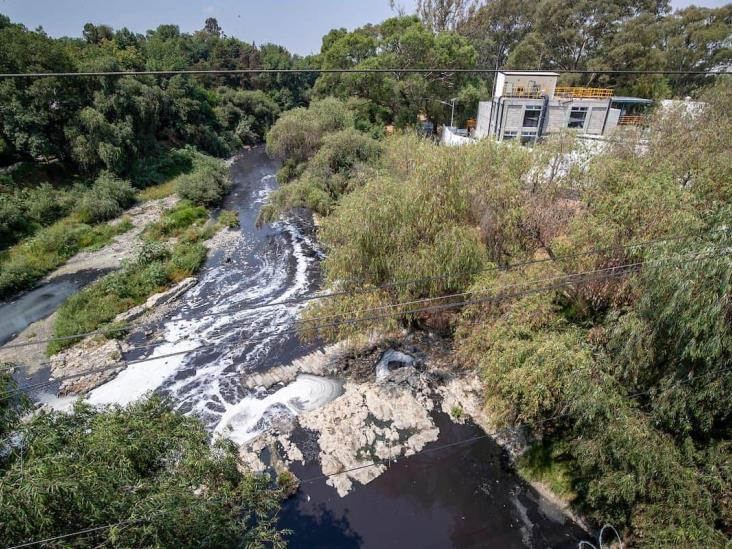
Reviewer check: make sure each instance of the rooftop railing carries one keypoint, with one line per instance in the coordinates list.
(633, 120)
(583, 93)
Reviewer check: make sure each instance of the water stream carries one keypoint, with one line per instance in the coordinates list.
(465, 497)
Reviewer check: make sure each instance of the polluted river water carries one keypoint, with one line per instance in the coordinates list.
(465, 495)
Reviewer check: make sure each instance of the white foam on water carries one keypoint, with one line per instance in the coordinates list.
(140, 379)
(212, 390)
(307, 392)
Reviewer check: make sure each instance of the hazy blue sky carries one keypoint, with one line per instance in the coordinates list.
(296, 24)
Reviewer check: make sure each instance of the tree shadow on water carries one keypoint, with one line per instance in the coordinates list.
(318, 528)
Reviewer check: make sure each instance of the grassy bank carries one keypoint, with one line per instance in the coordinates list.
(171, 250)
(79, 214)
(23, 265)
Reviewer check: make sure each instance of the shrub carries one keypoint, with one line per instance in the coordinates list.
(176, 219)
(45, 204)
(329, 174)
(187, 258)
(151, 251)
(206, 186)
(145, 466)
(14, 223)
(298, 132)
(106, 199)
(229, 218)
(164, 165)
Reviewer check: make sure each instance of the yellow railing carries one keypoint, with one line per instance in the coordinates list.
(633, 120)
(583, 93)
(529, 93)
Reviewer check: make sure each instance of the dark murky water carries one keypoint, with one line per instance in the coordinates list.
(38, 303)
(463, 496)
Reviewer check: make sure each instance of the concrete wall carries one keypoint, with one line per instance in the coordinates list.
(449, 139)
(483, 123)
(612, 120)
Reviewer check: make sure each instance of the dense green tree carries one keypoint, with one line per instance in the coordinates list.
(496, 29)
(146, 471)
(33, 112)
(395, 43)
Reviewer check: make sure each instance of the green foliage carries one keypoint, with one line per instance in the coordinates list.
(207, 185)
(155, 267)
(549, 463)
(14, 224)
(106, 199)
(145, 466)
(24, 264)
(11, 409)
(229, 218)
(298, 133)
(178, 218)
(248, 114)
(393, 97)
(162, 166)
(329, 174)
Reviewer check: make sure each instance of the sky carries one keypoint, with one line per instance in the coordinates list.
(298, 25)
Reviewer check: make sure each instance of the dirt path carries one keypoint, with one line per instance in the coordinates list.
(122, 247)
(111, 256)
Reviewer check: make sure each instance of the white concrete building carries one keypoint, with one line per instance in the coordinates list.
(529, 104)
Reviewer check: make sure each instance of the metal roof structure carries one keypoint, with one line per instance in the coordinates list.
(631, 100)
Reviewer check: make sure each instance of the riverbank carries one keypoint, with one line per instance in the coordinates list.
(402, 395)
(240, 367)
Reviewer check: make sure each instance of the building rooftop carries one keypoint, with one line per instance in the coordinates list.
(530, 73)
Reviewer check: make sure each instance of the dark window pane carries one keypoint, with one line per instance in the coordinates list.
(531, 117)
(577, 117)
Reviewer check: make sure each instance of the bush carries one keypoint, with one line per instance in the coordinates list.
(45, 204)
(176, 219)
(206, 186)
(145, 466)
(14, 223)
(106, 199)
(329, 174)
(156, 168)
(186, 259)
(229, 218)
(298, 132)
(151, 251)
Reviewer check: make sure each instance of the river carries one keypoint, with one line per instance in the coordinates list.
(463, 496)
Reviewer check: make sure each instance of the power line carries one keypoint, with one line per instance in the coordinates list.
(370, 289)
(349, 321)
(397, 70)
(376, 462)
(608, 273)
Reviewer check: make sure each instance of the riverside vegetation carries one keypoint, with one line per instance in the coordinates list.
(632, 445)
(617, 381)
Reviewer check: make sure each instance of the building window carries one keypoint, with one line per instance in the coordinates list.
(577, 117)
(532, 114)
(510, 135)
(528, 137)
